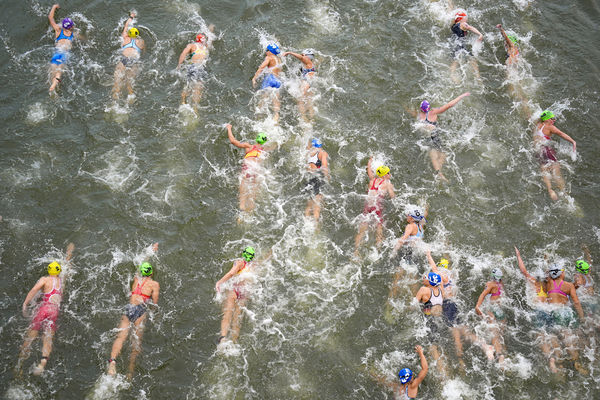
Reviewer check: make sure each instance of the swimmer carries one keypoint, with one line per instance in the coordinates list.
(495, 315)
(144, 289)
(413, 232)
(512, 57)
(429, 116)
(250, 168)
(460, 28)
(546, 154)
(271, 67)
(409, 386)
(52, 287)
(380, 184)
(510, 45)
(584, 283)
(128, 65)
(236, 298)
(64, 35)
(318, 166)
(308, 71)
(198, 55)
(560, 293)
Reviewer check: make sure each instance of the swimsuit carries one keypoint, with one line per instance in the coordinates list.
(61, 55)
(138, 290)
(405, 394)
(418, 235)
(254, 152)
(199, 50)
(436, 142)
(271, 81)
(450, 312)
(47, 314)
(546, 153)
(239, 287)
(306, 71)
(63, 36)
(196, 72)
(433, 301)
(496, 309)
(130, 61)
(460, 40)
(133, 311)
(557, 289)
(317, 176)
(378, 207)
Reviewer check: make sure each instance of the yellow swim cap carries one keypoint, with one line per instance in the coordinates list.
(53, 268)
(382, 171)
(443, 263)
(133, 32)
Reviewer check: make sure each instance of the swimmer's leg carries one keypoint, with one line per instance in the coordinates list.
(361, 233)
(197, 88)
(46, 350)
(453, 75)
(437, 161)
(441, 364)
(131, 73)
(119, 76)
(379, 234)
(228, 309)
(244, 193)
(136, 344)
(236, 320)
(56, 74)
(551, 348)
(317, 206)
(557, 176)
(547, 178)
(276, 106)
(184, 93)
(26, 348)
(118, 344)
(475, 68)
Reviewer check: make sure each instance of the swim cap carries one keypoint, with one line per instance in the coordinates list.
(133, 32)
(546, 115)
(555, 271)
(434, 279)
(443, 263)
(146, 269)
(459, 15)
(248, 253)
(497, 274)
(53, 268)
(382, 171)
(200, 38)
(416, 214)
(273, 48)
(582, 266)
(317, 143)
(67, 23)
(425, 106)
(309, 53)
(405, 375)
(512, 38)
(261, 138)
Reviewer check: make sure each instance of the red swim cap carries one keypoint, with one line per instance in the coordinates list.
(459, 15)
(200, 38)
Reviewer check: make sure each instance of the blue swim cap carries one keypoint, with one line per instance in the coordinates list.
(405, 375)
(434, 279)
(273, 48)
(317, 143)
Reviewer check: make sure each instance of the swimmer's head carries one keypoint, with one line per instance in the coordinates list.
(582, 266)
(405, 375)
(459, 16)
(200, 38)
(425, 106)
(261, 138)
(67, 23)
(416, 214)
(309, 53)
(53, 268)
(248, 253)
(497, 274)
(273, 48)
(555, 271)
(512, 38)
(316, 143)
(133, 33)
(444, 263)
(546, 115)
(434, 279)
(146, 269)
(382, 171)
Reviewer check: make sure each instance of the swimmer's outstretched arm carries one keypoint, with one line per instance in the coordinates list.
(124, 34)
(527, 275)
(450, 104)
(586, 254)
(304, 59)
(402, 240)
(234, 141)
(262, 66)
(507, 41)
(184, 53)
(432, 264)
(556, 131)
(55, 26)
(32, 293)
(486, 291)
(234, 270)
(370, 170)
(468, 27)
(424, 367)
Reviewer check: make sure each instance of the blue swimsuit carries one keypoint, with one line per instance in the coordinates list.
(271, 81)
(60, 56)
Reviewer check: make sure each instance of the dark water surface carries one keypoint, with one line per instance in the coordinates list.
(113, 179)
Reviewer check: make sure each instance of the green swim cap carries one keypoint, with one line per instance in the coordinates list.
(248, 253)
(513, 39)
(261, 138)
(546, 115)
(582, 266)
(146, 269)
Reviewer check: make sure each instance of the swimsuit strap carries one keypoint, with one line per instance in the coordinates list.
(499, 292)
(133, 45)
(63, 36)
(557, 289)
(138, 289)
(244, 267)
(373, 187)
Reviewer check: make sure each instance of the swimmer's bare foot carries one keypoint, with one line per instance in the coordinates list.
(37, 371)
(55, 82)
(112, 367)
(552, 194)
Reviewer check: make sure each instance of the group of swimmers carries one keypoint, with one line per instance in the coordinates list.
(439, 285)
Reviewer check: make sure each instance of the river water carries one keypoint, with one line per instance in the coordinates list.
(115, 178)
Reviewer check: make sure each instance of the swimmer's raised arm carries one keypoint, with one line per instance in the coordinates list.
(369, 169)
(412, 112)
(450, 104)
(586, 253)
(466, 27)
(424, 367)
(262, 66)
(507, 41)
(124, 34)
(431, 262)
(556, 131)
(486, 291)
(527, 275)
(234, 141)
(55, 26)
(304, 59)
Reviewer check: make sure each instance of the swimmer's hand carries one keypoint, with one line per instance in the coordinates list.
(285, 53)
(478, 311)
(218, 287)
(480, 38)
(499, 26)
(24, 310)
(132, 14)
(155, 247)
(574, 147)
(419, 349)
(56, 6)
(228, 126)
(254, 82)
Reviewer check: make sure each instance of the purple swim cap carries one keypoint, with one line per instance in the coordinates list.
(67, 23)
(425, 106)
